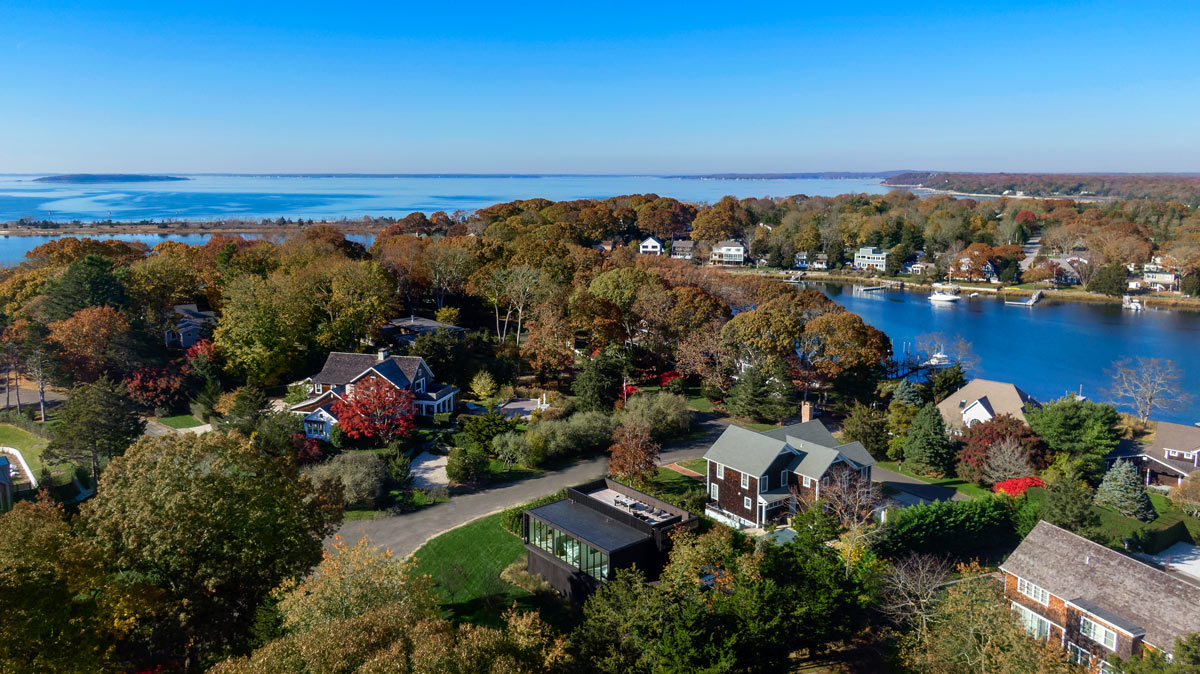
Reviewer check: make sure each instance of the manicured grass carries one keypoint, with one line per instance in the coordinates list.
(698, 465)
(1119, 527)
(756, 427)
(699, 402)
(180, 421)
(465, 564)
(674, 483)
(497, 473)
(27, 443)
(358, 515)
(963, 487)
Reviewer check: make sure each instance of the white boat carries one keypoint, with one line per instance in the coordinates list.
(938, 359)
(940, 296)
(974, 294)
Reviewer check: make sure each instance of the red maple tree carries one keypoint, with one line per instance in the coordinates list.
(155, 386)
(375, 409)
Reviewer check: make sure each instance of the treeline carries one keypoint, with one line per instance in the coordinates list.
(1181, 188)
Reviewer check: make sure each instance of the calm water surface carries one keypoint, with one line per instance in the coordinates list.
(208, 197)
(1048, 349)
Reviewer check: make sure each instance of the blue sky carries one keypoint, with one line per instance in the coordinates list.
(608, 88)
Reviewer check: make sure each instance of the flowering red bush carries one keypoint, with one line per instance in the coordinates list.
(666, 377)
(204, 348)
(629, 389)
(1017, 486)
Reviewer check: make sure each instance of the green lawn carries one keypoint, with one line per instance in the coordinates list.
(465, 564)
(699, 402)
(27, 443)
(667, 481)
(756, 427)
(698, 465)
(1119, 527)
(963, 487)
(357, 515)
(497, 473)
(180, 421)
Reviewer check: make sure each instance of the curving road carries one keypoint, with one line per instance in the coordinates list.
(403, 534)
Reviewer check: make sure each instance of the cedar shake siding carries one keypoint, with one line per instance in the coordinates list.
(1093, 601)
(731, 497)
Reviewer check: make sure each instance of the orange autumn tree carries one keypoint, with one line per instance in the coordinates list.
(375, 410)
(634, 453)
(85, 338)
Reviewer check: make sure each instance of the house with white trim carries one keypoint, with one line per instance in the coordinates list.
(1095, 602)
(982, 400)
(681, 249)
(753, 477)
(869, 257)
(728, 251)
(343, 372)
(1172, 455)
(650, 246)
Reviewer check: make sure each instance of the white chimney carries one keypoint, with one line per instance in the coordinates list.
(381, 355)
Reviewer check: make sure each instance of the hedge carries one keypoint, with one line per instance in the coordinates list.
(511, 519)
(948, 527)
(1153, 540)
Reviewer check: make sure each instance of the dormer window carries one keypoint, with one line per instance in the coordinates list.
(317, 388)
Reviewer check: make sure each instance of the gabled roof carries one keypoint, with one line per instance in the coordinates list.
(1108, 584)
(342, 368)
(682, 244)
(729, 243)
(648, 239)
(813, 446)
(1001, 398)
(1171, 436)
(744, 450)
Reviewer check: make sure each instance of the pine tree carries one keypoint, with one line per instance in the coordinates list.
(249, 408)
(1070, 504)
(1123, 491)
(868, 427)
(761, 397)
(926, 449)
(908, 393)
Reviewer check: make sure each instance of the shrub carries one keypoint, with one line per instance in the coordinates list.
(511, 448)
(511, 519)
(955, 527)
(581, 434)
(1017, 486)
(666, 414)
(467, 464)
(360, 474)
(677, 385)
(296, 393)
(1153, 540)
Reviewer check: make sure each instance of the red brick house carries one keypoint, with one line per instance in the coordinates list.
(344, 371)
(1096, 602)
(752, 476)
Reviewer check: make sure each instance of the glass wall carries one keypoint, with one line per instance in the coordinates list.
(569, 549)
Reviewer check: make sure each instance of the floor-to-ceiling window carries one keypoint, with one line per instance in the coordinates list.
(569, 549)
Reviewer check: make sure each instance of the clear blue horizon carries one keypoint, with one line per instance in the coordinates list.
(626, 89)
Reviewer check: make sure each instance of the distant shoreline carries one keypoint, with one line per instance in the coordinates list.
(174, 229)
(954, 193)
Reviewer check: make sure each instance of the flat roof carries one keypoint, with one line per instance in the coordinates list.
(588, 525)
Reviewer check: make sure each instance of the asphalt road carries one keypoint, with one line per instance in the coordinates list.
(403, 534)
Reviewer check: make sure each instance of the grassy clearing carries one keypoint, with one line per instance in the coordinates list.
(498, 474)
(465, 564)
(963, 487)
(359, 515)
(698, 402)
(30, 446)
(667, 481)
(180, 421)
(1119, 527)
(754, 426)
(698, 465)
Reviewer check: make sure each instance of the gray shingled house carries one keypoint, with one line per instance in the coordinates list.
(751, 476)
(1094, 601)
(1171, 456)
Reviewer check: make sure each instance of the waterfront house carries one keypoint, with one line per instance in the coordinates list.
(191, 325)
(870, 258)
(1172, 455)
(751, 477)
(919, 268)
(820, 262)
(800, 260)
(1159, 279)
(681, 249)
(983, 400)
(578, 542)
(343, 372)
(1093, 601)
(729, 251)
(650, 246)
(404, 331)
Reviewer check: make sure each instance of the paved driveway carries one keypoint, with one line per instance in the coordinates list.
(405, 533)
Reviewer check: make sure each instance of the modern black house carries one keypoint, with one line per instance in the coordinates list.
(578, 542)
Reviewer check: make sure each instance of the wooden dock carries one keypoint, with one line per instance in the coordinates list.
(1028, 302)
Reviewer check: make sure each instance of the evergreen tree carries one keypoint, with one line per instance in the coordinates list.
(96, 423)
(906, 392)
(88, 282)
(945, 381)
(598, 385)
(1110, 280)
(1082, 429)
(1070, 504)
(868, 427)
(249, 407)
(762, 397)
(1123, 491)
(927, 449)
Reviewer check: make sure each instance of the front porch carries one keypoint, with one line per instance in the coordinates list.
(437, 401)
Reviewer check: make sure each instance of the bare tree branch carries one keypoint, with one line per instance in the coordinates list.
(1147, 384)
